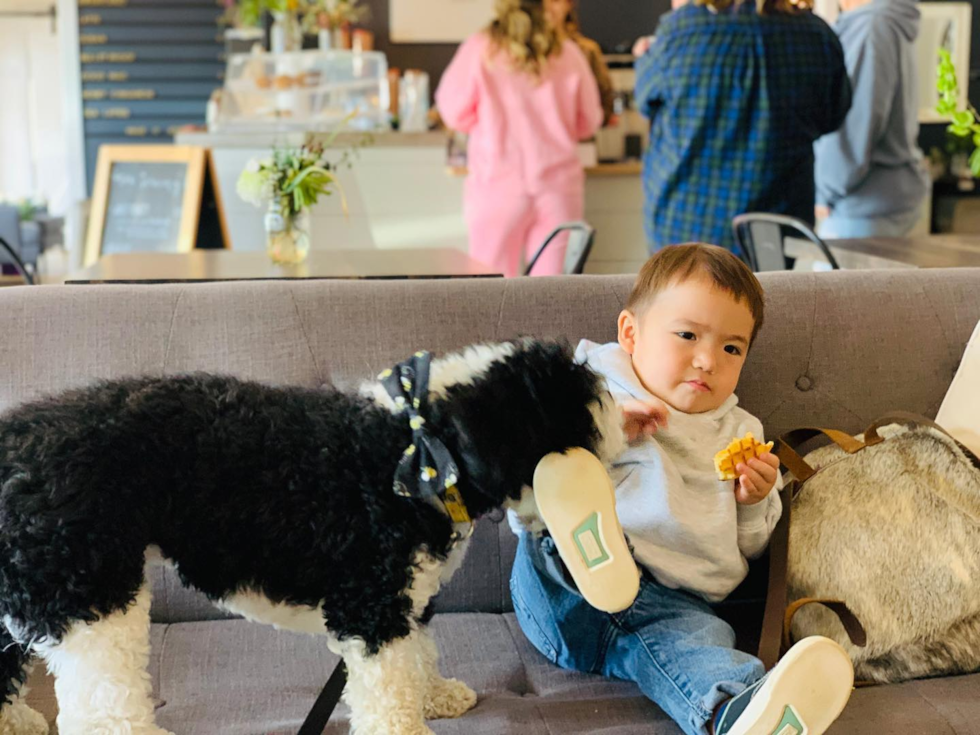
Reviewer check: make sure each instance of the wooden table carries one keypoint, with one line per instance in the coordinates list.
(225, 265)
(922, 251)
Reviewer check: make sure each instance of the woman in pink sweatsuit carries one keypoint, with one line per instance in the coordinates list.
(526, 98)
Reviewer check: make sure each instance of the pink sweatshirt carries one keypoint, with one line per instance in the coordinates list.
(523, 131)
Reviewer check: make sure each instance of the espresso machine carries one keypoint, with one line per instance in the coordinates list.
(626, 137)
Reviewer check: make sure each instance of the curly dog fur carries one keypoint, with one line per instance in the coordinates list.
(277, 503)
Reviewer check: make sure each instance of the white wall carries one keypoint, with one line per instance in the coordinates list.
(32, 140)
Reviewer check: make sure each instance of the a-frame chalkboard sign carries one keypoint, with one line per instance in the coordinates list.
(154, 198)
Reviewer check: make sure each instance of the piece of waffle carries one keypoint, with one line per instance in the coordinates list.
(739, 451)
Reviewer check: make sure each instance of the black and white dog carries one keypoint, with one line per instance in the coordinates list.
(277, 503)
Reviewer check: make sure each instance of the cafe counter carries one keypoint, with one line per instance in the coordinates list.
(400, 193)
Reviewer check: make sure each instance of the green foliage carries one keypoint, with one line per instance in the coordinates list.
(964, 123)
(27, 208)
(303, 177)
(250, 11)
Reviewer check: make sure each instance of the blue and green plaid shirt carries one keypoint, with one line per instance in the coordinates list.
(735, 101)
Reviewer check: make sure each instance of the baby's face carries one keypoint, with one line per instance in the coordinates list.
(688, 346)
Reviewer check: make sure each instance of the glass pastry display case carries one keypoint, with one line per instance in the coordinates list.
(304, 90)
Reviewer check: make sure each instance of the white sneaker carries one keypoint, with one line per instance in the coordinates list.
(577, 502)
(802, 695)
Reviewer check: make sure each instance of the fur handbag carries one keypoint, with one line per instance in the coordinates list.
(886, 526)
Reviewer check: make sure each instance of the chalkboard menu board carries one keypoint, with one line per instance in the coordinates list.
(144, 209)
(148, 67)
(154, 198)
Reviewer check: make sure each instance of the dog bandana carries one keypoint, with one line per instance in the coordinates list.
(426, 468)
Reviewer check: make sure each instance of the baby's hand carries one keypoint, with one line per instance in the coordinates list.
(756, 479)
(643, 418)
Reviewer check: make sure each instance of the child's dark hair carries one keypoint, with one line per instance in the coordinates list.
(677, 263)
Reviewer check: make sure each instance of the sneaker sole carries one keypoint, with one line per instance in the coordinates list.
(804, 694)
(577, 502)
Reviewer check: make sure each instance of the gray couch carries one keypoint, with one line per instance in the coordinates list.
(838, 349)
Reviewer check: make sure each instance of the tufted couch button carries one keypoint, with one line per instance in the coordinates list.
(804, 383)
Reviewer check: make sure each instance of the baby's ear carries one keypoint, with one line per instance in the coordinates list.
(627, 331)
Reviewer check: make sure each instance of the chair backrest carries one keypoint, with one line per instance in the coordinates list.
(8, 254)
(10, 241)
(761, 237)
(580, 240)
(10, 227)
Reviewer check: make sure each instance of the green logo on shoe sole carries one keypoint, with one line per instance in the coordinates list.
(791, 724)
(588, 540)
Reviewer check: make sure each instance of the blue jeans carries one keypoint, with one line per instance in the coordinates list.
(669, 642)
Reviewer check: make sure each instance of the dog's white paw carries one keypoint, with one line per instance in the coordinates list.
(19, 719)
(448, 698)
(390, 728)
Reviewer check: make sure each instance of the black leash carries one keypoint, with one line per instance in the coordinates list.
(316, 721)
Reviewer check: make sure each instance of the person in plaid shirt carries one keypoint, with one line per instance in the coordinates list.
(736, 97)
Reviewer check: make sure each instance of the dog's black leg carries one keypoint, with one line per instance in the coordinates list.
(15, 715)
(13, 665)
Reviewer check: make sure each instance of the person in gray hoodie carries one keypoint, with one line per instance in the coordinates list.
(870, 175)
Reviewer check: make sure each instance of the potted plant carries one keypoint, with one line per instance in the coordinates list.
(285, 33)
(329, 18)
(965, 123)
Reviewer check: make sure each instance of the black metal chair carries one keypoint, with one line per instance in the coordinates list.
(761, 237)
(580, 240)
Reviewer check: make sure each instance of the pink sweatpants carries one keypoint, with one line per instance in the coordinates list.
(505, 225)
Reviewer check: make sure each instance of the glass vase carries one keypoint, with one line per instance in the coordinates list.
(287, 236)
(330, 39)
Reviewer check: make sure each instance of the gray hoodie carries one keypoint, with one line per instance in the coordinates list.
(683, 522)
(872, 166)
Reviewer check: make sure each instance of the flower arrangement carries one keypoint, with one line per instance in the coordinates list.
(293, 178)
(965, 123)
(332, 14)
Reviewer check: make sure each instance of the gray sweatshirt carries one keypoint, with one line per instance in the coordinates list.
(683, 522)
(872, 166)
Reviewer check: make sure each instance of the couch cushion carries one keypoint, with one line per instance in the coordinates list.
(232, 677)
(175, 603)
(482, 584)
(843, 350)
